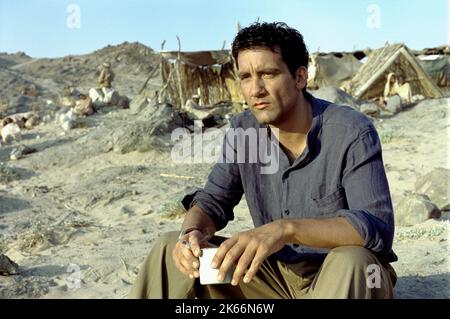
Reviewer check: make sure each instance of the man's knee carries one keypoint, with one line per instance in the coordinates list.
(352, 256)
(352, 272)
(168, 239)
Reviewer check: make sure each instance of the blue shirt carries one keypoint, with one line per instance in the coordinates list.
(340, 173)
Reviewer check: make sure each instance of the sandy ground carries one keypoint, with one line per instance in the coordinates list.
(80, 222)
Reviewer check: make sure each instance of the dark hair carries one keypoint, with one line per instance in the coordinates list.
(273, 35)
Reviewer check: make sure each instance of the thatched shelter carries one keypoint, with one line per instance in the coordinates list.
(210, 74)
(370, 79)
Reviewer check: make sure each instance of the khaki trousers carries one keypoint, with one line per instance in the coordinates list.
(346, 272)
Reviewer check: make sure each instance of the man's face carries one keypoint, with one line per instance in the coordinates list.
(268, 86)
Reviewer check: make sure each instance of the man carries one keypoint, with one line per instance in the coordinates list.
(403, 89)
(396, 93)
(390, 86)
(323, 219)
(106, 76)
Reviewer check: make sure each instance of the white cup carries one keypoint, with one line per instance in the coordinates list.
(208, 275)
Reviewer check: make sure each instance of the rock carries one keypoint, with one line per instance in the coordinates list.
(68, 101)
(47, 118)
(110, 96)
(68, 125)
(68, 120)
(84, 107)
(7, 173)
(32, 121)
(15, 155)
(370, 109)
(445, 215)
(18, 152)
(11, 132)
(7, 266)
(436, 185)
(69, 115)
(335, 95)
(138, 104)
(96, 96)
(393, 104)
(143, 134)
(124, 102)
(415, 209)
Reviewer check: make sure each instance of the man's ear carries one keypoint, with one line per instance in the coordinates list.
(301, 77)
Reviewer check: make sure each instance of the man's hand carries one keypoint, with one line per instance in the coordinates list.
(250, 248)
(187, 250)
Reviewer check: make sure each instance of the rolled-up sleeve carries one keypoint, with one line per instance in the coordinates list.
(223, 189)
(364, 180)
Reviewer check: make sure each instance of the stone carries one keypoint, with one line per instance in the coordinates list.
(68, 101)
(18, 152)
(96, 96)
(436, 185)
(393, 104)
(7, 266)
(15, 155)
(110, 96)
(124, 102)
(415, 209)
(370, 109)
(10, 133)
(68, 125)
(84, 107)
(31, 122)
(145, 133)
(68, 120)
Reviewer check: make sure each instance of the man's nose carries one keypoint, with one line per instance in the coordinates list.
(258, 87)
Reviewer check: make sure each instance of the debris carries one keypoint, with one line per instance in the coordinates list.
(20, 151)
(176, 176)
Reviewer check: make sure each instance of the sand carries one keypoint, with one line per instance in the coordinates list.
(79, 217)
(79, 223)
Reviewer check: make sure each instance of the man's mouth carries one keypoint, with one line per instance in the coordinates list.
(260, 106)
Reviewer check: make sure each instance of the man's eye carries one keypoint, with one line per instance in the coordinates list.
(268, 75)
(244, 76)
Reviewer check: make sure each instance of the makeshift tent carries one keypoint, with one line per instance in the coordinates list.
(333, 69)
(438, 68)
(370, 79)
(211, 74)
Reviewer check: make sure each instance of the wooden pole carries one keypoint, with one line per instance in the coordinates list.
(180, 86)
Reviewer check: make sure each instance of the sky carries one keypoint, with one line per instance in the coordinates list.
(54, 28)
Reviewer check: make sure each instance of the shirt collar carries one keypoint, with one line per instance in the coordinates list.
(317, 107)
(317, 110)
